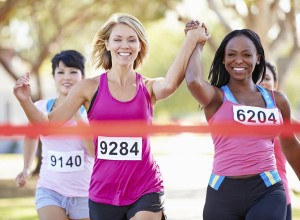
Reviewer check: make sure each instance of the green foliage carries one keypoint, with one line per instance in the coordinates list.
(49, 26)
(166, 39)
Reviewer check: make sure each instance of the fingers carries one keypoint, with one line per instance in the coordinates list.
(193, 24)
(23, 81)
(20, 180)
(197, 31)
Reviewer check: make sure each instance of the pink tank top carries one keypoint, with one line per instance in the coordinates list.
(240, 155)
(117, 181)
(66, 166)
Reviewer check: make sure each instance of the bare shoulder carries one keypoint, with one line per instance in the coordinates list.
(150, 81)
(281, 99)
(88, 87)
(94, 81)
(283, 104)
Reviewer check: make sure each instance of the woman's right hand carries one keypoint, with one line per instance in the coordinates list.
(198, 31)
(193, 24)
(22, 88)
(22, 178)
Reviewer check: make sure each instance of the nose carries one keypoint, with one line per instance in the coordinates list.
(238, 59)
(124, 44)
(67, 76)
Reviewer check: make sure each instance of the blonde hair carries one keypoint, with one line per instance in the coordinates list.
(101, 56)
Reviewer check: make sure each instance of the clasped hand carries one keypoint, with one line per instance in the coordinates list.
(198, 27)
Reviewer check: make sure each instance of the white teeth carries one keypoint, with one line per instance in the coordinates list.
(124, 54)
(238, 69)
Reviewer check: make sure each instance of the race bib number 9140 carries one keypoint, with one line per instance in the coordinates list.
(65, 161)
(251, 115)
(120, 148)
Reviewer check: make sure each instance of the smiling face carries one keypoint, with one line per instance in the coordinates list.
(240, 58)
(124, 45)
(66, 77)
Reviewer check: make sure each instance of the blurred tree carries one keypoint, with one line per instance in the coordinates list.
(33, 30)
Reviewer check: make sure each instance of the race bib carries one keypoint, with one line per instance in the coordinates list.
(66, 161)
(250, 115)
(120, 148)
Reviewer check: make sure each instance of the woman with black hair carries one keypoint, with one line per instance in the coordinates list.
(64, 178)
(244, 183)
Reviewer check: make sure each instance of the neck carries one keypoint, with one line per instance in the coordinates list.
(241, 87)
(121, 76)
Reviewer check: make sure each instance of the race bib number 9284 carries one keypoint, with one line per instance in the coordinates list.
(120, 148)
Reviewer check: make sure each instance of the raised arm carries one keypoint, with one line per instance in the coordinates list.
(202, 91)
(64, 112)
(164, 87)
(79, 95)
(22, 91)
(290, 144)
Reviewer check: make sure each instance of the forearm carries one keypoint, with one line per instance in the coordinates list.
(194, 71)
(32, 112)
(291, 150)
(29, 152)
(176, 72)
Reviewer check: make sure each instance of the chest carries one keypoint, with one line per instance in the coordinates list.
(123, 93)
(256, 99)
(121, 103)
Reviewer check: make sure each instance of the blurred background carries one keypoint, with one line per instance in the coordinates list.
(32, 31)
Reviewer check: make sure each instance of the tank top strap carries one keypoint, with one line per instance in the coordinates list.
(142, 86)
(103, 81)
(228, 95)
(270, 102)
(265, 94)
(50, 104)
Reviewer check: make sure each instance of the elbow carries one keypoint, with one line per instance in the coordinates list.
(171, 88)
(191, 77)
(192, 82)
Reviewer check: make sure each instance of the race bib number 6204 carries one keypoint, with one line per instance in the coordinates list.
(250, 115)
(120, 148)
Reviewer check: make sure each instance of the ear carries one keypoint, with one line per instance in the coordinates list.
(275, 85)
(107, 45)
(258, 59)
(140, 46)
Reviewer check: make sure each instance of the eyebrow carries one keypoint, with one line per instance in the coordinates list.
(127, 37)
(248, 50)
